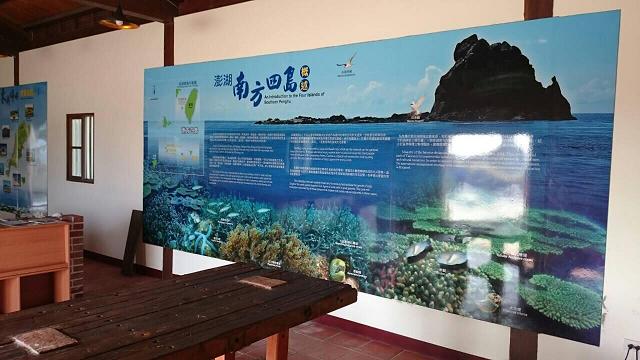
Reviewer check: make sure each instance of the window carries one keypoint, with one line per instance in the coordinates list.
(80, 148)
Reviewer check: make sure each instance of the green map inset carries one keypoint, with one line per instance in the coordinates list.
(190, 106)
(21, 138)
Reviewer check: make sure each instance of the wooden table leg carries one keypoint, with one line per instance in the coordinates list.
(10, 291)
(227, 356)
(61, 286)
(278, 346)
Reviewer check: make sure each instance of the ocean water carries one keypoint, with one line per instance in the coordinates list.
(573, 173)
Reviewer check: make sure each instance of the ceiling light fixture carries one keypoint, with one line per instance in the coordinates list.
(118, 21)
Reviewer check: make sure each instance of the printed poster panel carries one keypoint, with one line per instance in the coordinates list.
(465, 171)
(23, 149)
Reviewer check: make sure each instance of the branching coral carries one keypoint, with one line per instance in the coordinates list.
(496, 271)
(331, 232)
(541, 230)
(427, 218)
(563, 301)
(249, 244)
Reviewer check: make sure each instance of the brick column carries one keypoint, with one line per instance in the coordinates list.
(76, 241)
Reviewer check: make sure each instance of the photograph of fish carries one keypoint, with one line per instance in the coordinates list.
(465, 171)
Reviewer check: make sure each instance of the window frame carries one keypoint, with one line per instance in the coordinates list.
(83, 178)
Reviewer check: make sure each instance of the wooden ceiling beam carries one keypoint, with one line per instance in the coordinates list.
(12, 38)
(57, 17)
(150, 10)
(194, 6)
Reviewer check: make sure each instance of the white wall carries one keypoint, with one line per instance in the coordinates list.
(82, 77)
(102, 74)
(6, 71)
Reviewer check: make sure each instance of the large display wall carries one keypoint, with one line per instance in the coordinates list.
(23, 149)
(465, 171)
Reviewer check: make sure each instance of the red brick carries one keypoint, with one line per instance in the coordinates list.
(78, 275)
(77, 226)
(77, 241)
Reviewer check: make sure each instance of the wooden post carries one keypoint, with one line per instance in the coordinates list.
(278, 346)
(16, 69)
(61, 289)
(523, 344)
(133, 238)
(10, 295)
(167, 253)
(538, 9)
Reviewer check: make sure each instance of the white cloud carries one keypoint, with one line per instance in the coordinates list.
(542, 41)
(595, 90)
(432, 73)
(354, 94)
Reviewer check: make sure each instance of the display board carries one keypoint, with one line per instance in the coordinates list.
(465, 171)
(23, 149)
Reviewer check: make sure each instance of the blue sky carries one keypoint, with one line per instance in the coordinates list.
(581, 51)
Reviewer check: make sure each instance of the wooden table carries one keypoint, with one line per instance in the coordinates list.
(31, 250)
(204, 315)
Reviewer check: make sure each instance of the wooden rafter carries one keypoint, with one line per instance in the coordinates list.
(13, 38)
(150, 10)
(194, 6)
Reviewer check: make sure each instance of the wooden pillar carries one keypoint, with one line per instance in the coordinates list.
(538, 9)
(16, 69)
(523, 345)
(61, 289)
(167, 253)
(10, 295)
(278, 346)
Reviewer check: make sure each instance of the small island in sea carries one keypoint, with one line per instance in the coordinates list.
(487, 82)
(341, 119)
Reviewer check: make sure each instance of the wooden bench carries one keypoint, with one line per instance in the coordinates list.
(204, 315)
(31, 250)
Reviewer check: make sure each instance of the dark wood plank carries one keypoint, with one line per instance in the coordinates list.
(54, 313)
(200, 315)
(133, 238)
(130, 331)
(239, 329)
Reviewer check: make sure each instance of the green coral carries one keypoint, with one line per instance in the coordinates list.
(496, 271)
(426, 218)
(424, 284)
(541, 230)
(392, 246)
(563, 301)
(250, 244)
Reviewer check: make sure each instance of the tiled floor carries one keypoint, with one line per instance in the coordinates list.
(309, 341)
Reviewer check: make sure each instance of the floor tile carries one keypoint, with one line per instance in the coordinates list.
(410, 355)
(319, 331)
(380, 350)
